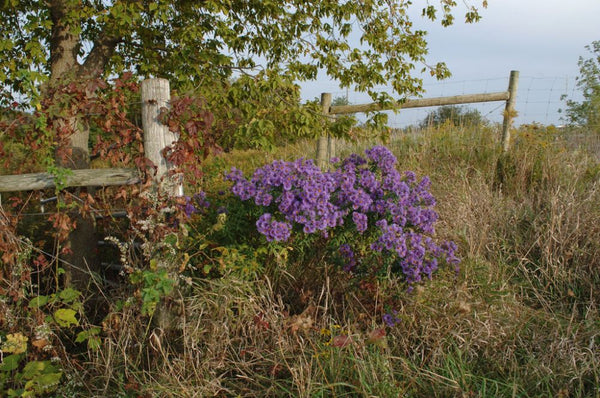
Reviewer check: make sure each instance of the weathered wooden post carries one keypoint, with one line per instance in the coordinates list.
(331, 144)
(323, 141)
(509, 111)
(156, 94)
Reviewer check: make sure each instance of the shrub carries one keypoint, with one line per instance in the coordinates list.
(364, 215)
(587, 112)
(455, 115)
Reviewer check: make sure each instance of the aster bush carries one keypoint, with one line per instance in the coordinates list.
(364, 214)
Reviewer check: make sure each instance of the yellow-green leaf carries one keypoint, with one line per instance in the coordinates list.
(65, 317)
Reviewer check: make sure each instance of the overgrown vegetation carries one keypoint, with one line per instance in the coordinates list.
(327, 283)
(218, 311)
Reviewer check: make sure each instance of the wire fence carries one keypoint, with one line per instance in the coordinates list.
(539, 99)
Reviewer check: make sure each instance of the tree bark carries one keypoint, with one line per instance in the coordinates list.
(82, 259)
(64, 45)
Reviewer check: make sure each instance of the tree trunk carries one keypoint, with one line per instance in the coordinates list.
(64, 47)
(81, 260)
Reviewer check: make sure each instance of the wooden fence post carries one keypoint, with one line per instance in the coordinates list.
(509, 111)
(331, 144)
(156, 95)
(323, 141)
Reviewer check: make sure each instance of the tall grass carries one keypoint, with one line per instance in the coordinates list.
(520, 320)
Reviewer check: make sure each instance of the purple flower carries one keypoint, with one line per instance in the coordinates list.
(272, 229)
(348, 254)
(400, 207)
(193, 205)
(222, 210)
(360, 220)
(391, 319)
(188, 208)
(382, 157)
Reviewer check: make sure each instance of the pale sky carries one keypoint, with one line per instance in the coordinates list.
(542, 39)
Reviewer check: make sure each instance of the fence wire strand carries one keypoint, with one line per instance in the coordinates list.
(540, 99)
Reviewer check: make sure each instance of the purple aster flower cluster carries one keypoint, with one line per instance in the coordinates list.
(391, 318)
(366, 194)
(301, 192)
(192, 205)
(272, 229)
(348, 254)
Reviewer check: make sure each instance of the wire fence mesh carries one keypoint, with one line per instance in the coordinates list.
(540, 99)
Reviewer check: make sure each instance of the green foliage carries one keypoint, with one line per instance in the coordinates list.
(259, 111)
(191, 42)
(36, 378)
(223, 240)
(339, 101)
(91, 336)
(60, 175)
(455, 115)
(268, 110)
(25, 372)
(587, 112)
(155, 285)
(34, 326)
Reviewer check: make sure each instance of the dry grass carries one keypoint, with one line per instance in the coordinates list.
(522, 318)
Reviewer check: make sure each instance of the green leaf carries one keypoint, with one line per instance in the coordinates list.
(86, 334)
(69, 295)
(10, 362)
(35, 368)
(16, 393)
(82, 336)
(94, 343)
(171, 240)
(65, 317)
(38, 301)
(42, 384)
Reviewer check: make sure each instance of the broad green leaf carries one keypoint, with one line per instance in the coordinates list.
(42, 384)
(38, 301)
(86, 334)
(94, 343)
(35, 368)
(10, 362)
(65, 317)
(69, 295)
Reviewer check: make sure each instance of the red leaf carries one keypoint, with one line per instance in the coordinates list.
(376, 336)
(341, 341)
(259, 320)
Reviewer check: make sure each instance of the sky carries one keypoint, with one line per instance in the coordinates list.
(542, 39)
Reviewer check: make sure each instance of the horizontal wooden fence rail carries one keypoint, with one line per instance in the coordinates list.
(421, 103)
(75, 178)
(326, 144)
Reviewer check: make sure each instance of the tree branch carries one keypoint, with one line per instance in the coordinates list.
(98, 58)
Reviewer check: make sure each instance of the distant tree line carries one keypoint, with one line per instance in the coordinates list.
(454, 115)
